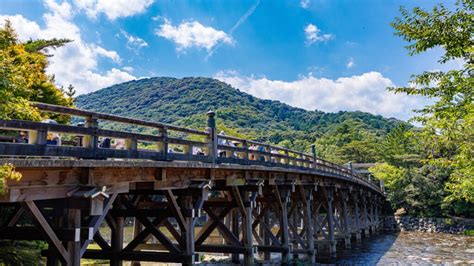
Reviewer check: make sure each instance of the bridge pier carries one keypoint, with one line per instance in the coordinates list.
(307, 196)
(329, 191)
(365, 215)
(345, 218)
(283, 196)
(357, 221)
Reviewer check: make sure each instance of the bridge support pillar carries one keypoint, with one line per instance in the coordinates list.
(137, 228)
(377, 215)
(365, 217)
(117, 240)
(307, 198)
(266, 235)
(355, 205)
(283, 198)
(247, 230)
(74, 247)
(236, 231)
(189, 249)
(330, 213)
(345, 219)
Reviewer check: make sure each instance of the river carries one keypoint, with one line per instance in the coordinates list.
(413, 248)
(404, 248)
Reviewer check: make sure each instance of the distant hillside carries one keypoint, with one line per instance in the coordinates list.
(185, 102)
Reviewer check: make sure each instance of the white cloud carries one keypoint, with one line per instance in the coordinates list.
(192, 34)
(366, 92)
(350, 63)
(106, 53)
(75, 63)
(129, 69)
(313, 34)
(134, 43)
(113, 9)
(305, 3)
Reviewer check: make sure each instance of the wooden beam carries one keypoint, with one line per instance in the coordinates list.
(144, 234)
(210, 225)
(96, 221)
(13, 219)
(158, 234)
(175, 209)
(47, 230)
(238, 199)
(74, 246)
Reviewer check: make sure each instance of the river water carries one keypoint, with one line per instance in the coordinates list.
(404, 248)
(415, 248)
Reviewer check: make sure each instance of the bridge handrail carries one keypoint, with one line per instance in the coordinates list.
(115, 118)
(214, 149)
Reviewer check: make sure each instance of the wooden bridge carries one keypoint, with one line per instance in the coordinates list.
(185, 191)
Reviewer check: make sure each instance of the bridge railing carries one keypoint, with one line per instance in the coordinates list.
(161, 142)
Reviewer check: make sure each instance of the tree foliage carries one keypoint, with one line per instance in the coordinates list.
(23, 76)
(438, 158)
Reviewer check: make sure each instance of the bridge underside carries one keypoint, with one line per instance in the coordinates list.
(182, 209)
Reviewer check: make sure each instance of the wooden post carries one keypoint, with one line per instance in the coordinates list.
(163, 146)
(235, 230)
(377, 221)
(355, 202)
(285, 234)
(294, 220)
(365, 216)
(345, 218)
(91, 141)
(247, 232)
(330, 213)
(189, 248)
(212, 130)
(371, 213)
(246, 152)
(268, 158)
(74, 246)
(266, 237)
(131, 144)
(137, 229)
(117, 241)
(38, 137)
(307, 195)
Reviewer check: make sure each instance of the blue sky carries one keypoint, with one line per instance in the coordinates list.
(313, 54)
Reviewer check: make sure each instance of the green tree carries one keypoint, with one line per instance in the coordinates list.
(448, 127)
(23, 76)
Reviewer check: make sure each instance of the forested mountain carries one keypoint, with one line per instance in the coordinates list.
(185, 102)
